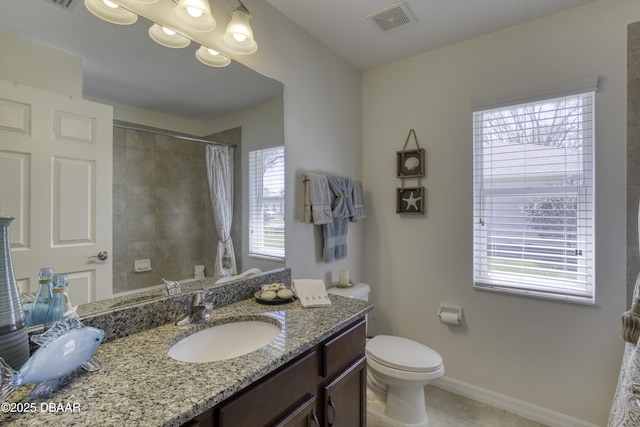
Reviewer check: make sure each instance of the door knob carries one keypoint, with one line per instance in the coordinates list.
(102, 255)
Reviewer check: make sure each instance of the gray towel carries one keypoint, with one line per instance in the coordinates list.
(317, 199)
(335, 232)
(358, 201)
(341, 189)
(335, 240)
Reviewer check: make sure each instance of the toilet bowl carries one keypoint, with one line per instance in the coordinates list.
(398, 370)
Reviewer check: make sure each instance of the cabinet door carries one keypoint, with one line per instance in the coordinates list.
(345, 398)
(303, 416)
(272, 399)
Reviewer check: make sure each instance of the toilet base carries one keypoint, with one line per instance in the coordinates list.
(376, 410)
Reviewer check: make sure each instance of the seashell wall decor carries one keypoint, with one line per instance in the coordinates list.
(410, 164)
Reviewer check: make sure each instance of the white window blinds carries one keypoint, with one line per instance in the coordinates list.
(533, 198)
(266, 203)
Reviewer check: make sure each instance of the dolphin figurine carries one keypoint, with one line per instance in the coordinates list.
(66, 346)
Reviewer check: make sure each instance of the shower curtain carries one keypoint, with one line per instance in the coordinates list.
(625, 411)
(220, 173)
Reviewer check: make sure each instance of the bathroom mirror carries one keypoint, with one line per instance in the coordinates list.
(123, 67)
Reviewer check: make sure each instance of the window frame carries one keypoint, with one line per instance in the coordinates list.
(256, 205)
(584, 225)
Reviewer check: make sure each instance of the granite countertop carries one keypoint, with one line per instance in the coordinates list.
(140, 385)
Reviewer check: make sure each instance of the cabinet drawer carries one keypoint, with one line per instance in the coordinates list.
(273, 398)
(343, 349)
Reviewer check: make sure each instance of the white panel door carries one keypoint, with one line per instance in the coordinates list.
(56, 180)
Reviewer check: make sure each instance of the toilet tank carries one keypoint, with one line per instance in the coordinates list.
(358, 291)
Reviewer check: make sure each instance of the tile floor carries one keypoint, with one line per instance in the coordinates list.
(447, 409)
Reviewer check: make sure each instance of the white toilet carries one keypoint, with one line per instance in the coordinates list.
(398, 370)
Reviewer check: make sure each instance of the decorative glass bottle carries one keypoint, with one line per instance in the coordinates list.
(43, 297)
(58, 306)
(14, 339)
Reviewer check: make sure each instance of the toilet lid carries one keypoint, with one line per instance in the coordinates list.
(402, 353)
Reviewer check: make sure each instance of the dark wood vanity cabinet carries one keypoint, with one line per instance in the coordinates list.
(325, 386)
(344, 398)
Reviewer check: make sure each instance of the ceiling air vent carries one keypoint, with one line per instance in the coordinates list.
(61, 3)
(392, 17)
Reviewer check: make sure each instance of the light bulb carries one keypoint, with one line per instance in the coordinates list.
(194, 11)
(110, 4)
(213, 52)
(168, 31)
(239, 37)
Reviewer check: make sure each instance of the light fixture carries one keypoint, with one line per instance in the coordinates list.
(110, 12)
(196, 14)
(176, 23)
(211, 57)
(167, 37)
(239, 36)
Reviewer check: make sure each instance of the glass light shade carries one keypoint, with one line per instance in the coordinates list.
(167, 37)
(196, 14)
(239, 36)
(211, 57)
(110, 12)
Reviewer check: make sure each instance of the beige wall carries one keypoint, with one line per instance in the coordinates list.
(39, 66)
(322, 129)
(559, 356)
(555, 356)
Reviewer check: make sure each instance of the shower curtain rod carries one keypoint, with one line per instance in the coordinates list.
(186, 138)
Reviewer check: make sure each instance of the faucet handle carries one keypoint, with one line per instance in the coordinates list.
(172, 287)
(198, 298)
(208, 307)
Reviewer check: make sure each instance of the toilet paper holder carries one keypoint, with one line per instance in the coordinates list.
(450, 314)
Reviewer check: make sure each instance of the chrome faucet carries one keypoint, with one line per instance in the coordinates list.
(172, 287)
(200, 310)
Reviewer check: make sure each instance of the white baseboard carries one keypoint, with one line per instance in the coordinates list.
(515, 406)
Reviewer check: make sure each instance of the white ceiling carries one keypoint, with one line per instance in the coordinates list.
(123, 65)
(343, 27)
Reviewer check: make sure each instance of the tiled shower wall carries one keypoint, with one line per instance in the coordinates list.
(161, 208)
(633, 155)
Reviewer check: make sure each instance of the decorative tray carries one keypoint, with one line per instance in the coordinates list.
(274, 301)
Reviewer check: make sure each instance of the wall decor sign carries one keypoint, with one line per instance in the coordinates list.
(410, 200)
(410, 164)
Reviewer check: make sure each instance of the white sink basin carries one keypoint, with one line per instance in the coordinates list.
(224, 341)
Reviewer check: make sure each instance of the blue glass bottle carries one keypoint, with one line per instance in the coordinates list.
(58, 306)
(43, 296)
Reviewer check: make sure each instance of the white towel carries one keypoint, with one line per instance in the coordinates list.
(317, 199)
(311, 292)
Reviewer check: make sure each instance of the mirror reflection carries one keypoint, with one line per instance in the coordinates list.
(163, 223)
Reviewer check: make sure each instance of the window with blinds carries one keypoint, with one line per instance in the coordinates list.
(266, 203)
(534, 198)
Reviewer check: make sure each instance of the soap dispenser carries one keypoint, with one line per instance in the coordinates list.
(58, 306)
(43, 296)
